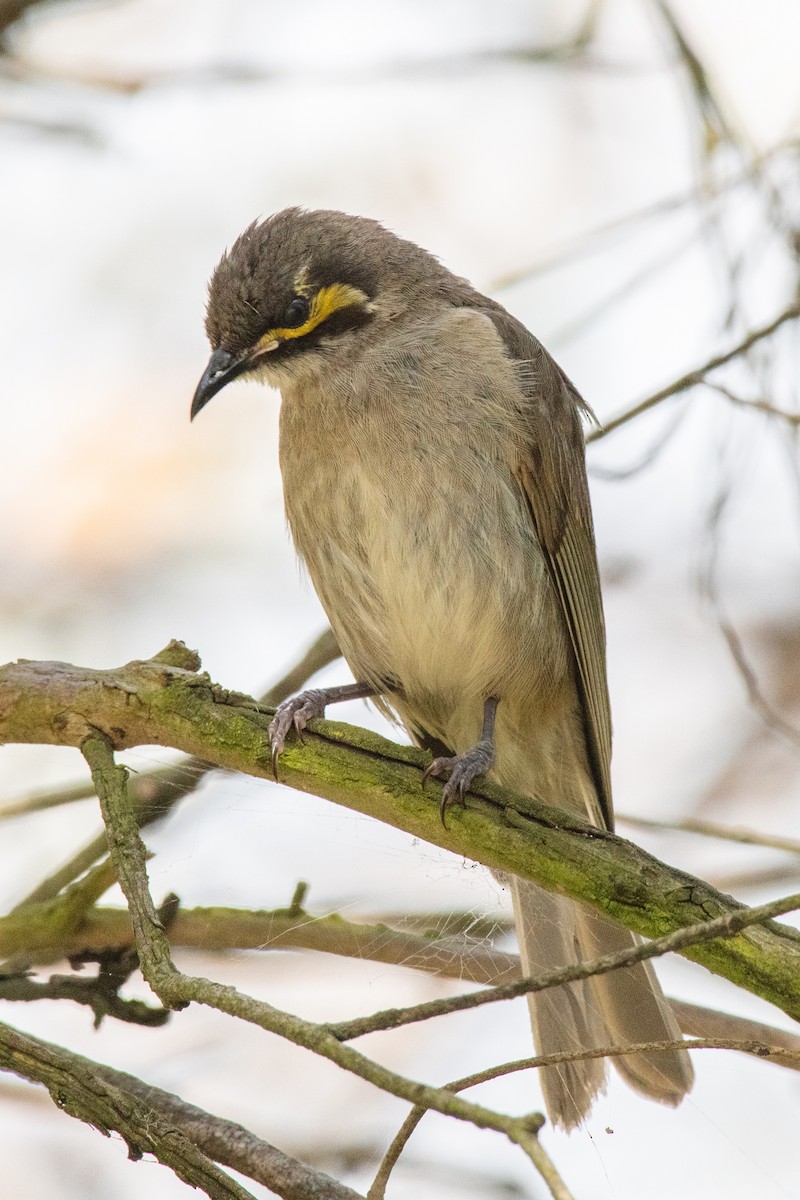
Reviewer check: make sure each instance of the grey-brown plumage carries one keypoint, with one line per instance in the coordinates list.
(433, 468)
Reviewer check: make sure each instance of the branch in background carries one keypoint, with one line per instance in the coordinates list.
(226, 929)
(152, 1121)
(709, 1024)
(12, 10)
(81, 1090)
(709, 588)
(792, 419)
(726, 926)
(63, 916)
(94, 992)
(693, 378)
(745, 837)
(585, 244)
(716, 126)
(38, 936)
(159, 701)
(758, 877)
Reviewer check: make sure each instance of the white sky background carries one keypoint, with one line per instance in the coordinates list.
(125, 526)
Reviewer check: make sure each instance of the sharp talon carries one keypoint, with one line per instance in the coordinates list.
(294, 713)
(430, 771)
(461, 772)
(453, 793)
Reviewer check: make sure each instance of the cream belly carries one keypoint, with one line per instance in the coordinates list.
(417, 539)
(452, 606)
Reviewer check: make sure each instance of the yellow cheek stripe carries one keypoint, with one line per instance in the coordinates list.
(327, 301)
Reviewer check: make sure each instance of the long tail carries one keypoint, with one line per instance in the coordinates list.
(619, 1008)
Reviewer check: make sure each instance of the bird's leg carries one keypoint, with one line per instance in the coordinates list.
(298, 710)
(462, 771)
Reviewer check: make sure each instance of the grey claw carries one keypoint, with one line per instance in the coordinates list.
(277, 739)
(435, 768)
(295, 713)
(461, 773)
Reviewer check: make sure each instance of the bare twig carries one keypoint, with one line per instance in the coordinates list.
(710, 588)
(791, 419)
(716, 125)
(556, 1186)
(93, 992)
(585, 244)
(709, 1024)
(745, 837)
(38, 935)
(693, 378)
(723, 927)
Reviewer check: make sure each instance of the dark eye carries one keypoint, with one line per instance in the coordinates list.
(297, 313)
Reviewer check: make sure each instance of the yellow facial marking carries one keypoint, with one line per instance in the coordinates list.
(327, 301)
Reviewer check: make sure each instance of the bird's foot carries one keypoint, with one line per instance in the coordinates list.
(298, 710)
(460, 773)
(295, 712)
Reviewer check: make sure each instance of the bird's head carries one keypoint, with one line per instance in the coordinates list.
(307, 283)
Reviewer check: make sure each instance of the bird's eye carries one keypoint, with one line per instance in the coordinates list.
(297, 313)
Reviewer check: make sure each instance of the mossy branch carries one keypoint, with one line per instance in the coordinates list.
(176, 990)
(164, 701)
(178, 1134)
(80, 1089)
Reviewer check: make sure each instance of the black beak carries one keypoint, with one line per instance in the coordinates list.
(221, 369)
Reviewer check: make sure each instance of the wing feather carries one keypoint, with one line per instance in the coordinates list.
(553, 478)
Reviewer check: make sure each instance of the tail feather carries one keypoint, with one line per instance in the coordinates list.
(614, 1009)
(563, 1018)
(635, 1010)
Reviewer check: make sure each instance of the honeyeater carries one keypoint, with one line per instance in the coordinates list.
(432, 457)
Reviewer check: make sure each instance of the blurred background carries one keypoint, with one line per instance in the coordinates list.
(624, 177)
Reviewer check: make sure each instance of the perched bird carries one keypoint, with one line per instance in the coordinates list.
(433, 469)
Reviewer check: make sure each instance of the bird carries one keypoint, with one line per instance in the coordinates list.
(433, 464)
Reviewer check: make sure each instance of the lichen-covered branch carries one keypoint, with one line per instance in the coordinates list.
(163, 701)
(154, 793)
(86, 1093)
(180, 1135)
(39, 933)
(176, 990)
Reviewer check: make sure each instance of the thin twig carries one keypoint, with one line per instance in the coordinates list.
(536, 1062)
(709, 1024)
(721, 927)
(763, 406)
(555, 1184)
(710, 588)
(759, 1049)
(745, 837)
(586, 243)
(693, 378)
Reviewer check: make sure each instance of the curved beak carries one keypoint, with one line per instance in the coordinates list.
(221, 369)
